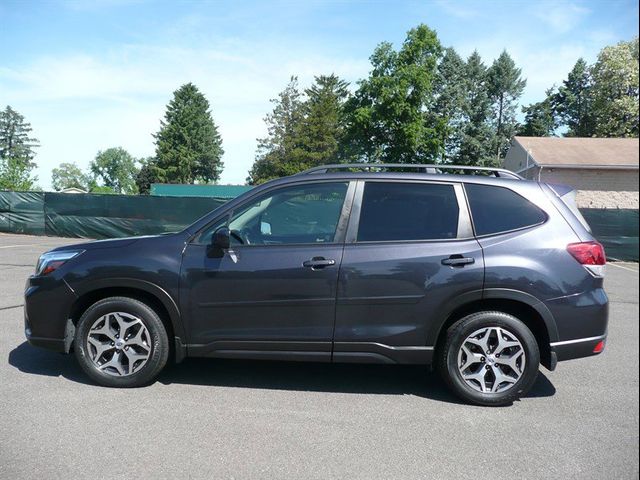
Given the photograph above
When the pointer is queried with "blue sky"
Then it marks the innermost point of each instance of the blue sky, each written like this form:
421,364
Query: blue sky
90,75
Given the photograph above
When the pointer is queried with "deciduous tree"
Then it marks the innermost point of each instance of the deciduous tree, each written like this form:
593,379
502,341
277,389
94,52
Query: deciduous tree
68,175
116,169
390,117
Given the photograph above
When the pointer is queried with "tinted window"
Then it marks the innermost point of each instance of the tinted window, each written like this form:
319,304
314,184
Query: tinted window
408,211
299,214
498,209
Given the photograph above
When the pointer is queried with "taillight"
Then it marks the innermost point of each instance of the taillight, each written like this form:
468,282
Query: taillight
589,254
599,347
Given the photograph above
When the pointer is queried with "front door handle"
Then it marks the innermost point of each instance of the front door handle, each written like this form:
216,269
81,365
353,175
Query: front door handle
458,261
318,262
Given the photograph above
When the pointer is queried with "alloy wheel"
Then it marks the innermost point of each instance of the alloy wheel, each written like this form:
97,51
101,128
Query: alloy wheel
119,344
491,360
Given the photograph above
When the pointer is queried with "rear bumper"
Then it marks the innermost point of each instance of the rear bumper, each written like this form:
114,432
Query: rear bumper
578,348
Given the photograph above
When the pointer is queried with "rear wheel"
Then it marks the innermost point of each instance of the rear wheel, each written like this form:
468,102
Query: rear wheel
489,358
121,342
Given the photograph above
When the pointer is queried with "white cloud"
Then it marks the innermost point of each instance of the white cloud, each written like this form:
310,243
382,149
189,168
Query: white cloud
78,104
561,17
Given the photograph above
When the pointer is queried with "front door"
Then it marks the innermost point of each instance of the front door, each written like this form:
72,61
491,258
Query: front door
409,254
273,292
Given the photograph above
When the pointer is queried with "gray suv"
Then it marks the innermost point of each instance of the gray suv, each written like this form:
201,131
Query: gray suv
475,271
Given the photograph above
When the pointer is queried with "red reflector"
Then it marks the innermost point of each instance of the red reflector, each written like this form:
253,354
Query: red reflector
599,347
588,253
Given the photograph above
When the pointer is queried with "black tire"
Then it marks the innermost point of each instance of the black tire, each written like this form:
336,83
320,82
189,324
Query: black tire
456,335
159,342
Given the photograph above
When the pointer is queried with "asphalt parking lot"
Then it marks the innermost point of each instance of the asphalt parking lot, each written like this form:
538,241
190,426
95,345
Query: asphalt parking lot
237,419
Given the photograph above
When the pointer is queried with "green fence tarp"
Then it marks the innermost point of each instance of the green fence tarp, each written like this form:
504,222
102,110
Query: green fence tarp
616,229
110,216
98,216
22,212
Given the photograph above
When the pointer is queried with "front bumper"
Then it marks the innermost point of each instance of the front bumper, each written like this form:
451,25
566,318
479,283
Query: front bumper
47,303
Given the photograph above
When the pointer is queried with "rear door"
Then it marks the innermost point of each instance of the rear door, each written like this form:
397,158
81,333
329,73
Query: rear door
410,256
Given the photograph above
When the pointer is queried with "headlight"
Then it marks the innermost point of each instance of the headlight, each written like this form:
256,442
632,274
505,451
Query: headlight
51,261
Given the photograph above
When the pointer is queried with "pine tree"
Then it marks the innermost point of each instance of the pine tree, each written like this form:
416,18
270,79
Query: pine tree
477,135
449,97
505,86
16,151
188,145
322,128
574,103
279,153
540,118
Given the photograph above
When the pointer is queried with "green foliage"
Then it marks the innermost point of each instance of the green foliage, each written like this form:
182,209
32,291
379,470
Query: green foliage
147,175
449,101
68,175
505,86
322,128
116,169
16,152
278,152
540,118
390,116
573,101
188,145
615,90
477,136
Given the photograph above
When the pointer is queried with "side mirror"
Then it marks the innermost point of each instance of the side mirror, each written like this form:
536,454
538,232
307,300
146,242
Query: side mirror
220,241
221,238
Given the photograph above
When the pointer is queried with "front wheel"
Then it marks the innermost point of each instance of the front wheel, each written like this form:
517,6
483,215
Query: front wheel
121,342
489,358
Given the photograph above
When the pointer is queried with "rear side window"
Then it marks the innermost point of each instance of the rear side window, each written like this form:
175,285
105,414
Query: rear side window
407,211
498,209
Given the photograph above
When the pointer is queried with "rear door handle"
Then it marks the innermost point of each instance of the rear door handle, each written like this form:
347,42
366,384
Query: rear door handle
318,262
458,261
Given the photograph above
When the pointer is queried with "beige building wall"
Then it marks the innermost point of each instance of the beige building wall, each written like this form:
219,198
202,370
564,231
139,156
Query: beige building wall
597,188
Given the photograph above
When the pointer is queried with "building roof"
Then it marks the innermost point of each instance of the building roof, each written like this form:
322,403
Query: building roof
575,152
181,190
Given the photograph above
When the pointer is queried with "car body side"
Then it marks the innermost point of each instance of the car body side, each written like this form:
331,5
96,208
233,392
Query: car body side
393,300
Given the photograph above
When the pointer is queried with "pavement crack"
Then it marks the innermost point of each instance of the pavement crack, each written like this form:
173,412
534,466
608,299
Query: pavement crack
12,306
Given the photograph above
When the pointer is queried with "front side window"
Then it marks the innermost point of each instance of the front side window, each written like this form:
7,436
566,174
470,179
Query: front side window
394,211
290,215
498,209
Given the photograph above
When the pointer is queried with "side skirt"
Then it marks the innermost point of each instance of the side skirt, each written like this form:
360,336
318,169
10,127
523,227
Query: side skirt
343,352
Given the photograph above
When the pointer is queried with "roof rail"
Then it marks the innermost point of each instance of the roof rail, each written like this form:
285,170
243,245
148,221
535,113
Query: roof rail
427,168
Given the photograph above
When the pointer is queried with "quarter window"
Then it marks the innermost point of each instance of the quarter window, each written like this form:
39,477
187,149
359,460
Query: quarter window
408,211
498,209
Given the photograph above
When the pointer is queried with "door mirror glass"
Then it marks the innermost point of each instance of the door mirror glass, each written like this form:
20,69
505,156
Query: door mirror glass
221,239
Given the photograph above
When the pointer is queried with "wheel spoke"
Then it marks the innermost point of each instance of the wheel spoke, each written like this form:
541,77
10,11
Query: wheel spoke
500,378
479,376
115,362
105,329
470,358
503,342
101,347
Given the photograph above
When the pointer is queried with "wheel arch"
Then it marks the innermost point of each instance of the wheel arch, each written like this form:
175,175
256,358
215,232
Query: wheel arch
147,292
531,311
